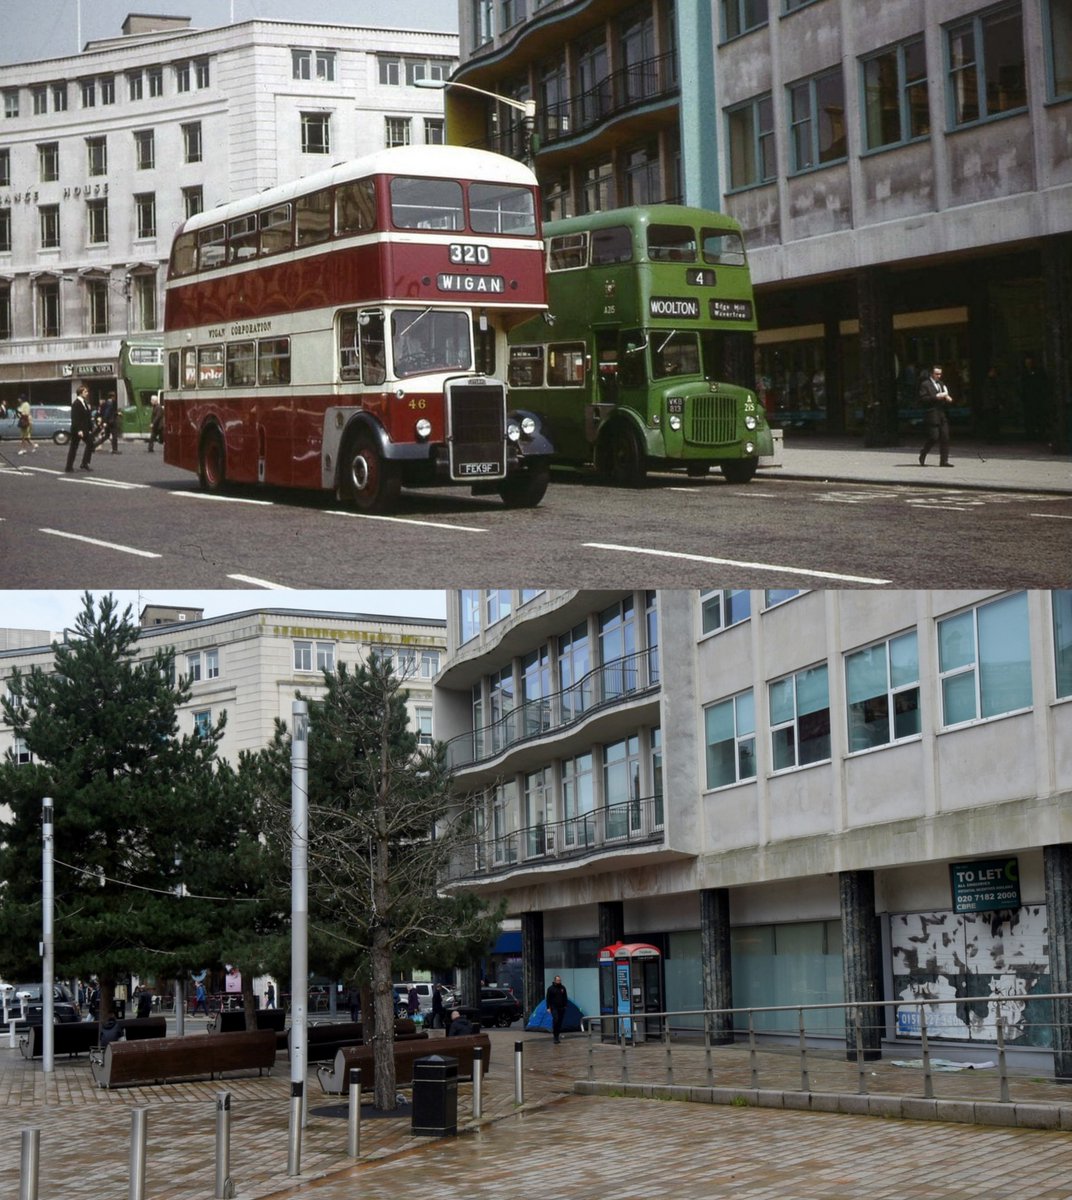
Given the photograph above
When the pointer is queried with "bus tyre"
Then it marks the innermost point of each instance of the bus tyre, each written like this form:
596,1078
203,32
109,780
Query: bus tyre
525,489
212,461
367,481
740,470
623,457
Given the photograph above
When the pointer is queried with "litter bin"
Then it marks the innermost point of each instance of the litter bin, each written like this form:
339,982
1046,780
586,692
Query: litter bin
435,1096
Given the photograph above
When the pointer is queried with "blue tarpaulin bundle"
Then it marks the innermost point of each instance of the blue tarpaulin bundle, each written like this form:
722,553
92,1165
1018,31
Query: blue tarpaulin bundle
541,1018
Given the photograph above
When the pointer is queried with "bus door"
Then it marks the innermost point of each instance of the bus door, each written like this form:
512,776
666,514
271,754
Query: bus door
604,393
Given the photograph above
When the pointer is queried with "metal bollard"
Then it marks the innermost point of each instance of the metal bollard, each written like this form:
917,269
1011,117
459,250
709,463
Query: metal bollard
30,1165
519,1073
224,1183
294,1140
139,1121
353,1135
478,1082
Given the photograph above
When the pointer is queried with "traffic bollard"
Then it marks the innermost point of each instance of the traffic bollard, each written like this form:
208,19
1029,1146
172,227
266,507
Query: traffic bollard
519,1076
353,1135
295,1139
139,1120
224,1183
11,1033
478,1082
30,1164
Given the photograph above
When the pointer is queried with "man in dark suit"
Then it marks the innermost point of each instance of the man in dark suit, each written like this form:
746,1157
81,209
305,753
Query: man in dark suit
81,429
935,395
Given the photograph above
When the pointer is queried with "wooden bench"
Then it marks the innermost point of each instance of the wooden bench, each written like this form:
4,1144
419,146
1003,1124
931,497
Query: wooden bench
163,1060
69,1037
137,1029
233,1020
324,1041
336,1078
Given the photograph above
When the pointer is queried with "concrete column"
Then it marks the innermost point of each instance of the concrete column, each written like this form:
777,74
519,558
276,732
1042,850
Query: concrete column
532,960
699,129
715,965
469,983
878,384
1057,317
861,950
1057,863
611,922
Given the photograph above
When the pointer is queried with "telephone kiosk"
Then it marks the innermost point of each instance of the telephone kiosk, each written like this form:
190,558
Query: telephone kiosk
630,987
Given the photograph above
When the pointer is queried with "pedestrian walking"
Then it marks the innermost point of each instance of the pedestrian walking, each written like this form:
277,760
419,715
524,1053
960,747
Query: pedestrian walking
935,396
81,429
25,423
269,996
437,1006
156,423
200,999
557,999
109,417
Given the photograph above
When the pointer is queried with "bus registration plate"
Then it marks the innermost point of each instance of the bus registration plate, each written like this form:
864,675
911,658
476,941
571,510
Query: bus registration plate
479,468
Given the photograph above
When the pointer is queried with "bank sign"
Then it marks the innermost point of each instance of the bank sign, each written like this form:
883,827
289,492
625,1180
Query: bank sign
986,884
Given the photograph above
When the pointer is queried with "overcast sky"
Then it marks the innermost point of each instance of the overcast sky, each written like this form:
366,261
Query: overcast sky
56,610
36,29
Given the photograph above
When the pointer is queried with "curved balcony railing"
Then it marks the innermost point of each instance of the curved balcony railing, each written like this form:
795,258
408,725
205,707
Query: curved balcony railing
609,828
616,681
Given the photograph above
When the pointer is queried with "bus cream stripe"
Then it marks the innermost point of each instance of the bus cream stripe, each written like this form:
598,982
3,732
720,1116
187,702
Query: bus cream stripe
77,537
338,512
730,562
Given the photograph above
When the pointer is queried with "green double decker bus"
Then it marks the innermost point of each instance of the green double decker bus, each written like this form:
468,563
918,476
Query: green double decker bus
141,376
641,359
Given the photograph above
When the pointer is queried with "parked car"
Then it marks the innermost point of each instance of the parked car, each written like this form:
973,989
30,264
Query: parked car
498,1006
64,1006
49,421
424,990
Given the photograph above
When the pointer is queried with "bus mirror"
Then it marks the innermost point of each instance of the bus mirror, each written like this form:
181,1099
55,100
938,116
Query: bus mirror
548,316
371,314
483,321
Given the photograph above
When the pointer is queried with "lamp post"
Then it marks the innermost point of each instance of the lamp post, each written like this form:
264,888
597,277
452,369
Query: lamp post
299,925
48,999
527,108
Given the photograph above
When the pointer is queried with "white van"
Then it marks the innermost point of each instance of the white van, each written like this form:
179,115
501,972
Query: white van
424,990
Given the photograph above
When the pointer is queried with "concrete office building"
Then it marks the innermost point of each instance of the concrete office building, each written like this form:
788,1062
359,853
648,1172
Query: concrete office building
251,664
103,154
903,173
786,793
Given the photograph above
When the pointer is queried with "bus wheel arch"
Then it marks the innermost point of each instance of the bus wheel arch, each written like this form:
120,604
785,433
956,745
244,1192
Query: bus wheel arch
739,470
368,481
212,459
525,489
621,455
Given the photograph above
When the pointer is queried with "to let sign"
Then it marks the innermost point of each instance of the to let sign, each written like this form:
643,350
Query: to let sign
986,884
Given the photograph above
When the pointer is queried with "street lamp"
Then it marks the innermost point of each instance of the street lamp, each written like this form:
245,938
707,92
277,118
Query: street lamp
527,108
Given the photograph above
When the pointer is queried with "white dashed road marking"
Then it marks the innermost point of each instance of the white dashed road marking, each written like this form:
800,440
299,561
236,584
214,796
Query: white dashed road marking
77,537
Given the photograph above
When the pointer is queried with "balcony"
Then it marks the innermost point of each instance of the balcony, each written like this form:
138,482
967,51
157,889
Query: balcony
613,827
613,683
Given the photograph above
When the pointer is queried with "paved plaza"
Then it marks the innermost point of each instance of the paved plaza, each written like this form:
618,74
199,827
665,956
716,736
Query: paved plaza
558,1141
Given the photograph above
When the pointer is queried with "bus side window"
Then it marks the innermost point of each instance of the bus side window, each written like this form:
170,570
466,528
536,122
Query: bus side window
373,355
565,365
723,247
567,251
349,350
614,245
242,238
275,229
355,207
212,247
210,367
313,218
184,255
241,364
173,370
273,361
526,366
189,367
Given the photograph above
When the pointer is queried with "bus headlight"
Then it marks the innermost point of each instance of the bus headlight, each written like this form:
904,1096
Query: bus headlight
528,426
749,422
749,448
674,421
513,431
423,428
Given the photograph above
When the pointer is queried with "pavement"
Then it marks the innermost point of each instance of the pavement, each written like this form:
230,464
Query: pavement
976,465
580,1131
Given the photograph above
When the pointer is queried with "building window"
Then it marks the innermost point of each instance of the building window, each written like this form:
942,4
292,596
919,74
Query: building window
21,752
301,64
325,65
895,95
303,656
724,607
987,75
792,5
750,127
48,308
97,222
775,596
483,21
135,84
739,16
308,653
882,692
5,167
191,141
817,120
496,604
156,81
397,132
469,614
193,667
97,155
984,661
325,656
59,97
621,786
212,664
48,161
193,201
429,664
40,100
512,11
144,149
97,298
107,89
390,72
730,733
182,77
1062,642
201,72
145,210
11,103
89,93
143,302
316,133
49,216
203,722
434,131
5,237
5,289
800,718
578,801
423,721
1057,32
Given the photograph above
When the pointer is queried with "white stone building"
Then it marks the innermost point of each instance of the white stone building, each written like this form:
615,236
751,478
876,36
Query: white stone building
104,153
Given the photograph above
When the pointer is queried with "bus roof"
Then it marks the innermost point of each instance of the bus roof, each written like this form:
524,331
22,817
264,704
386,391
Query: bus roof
640,215
446,162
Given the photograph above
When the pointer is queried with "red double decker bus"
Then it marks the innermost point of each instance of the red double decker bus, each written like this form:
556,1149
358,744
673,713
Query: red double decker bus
347,331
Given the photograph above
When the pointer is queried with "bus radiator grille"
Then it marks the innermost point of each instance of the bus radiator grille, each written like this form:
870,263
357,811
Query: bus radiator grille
711,420
477,417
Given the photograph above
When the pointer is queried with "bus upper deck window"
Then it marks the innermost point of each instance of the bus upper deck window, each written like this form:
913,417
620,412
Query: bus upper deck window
242,238
426,203
212,246
671,243
184,255
723,246
614,245
567,252
501,208
355,207
275,229
313,222
210,366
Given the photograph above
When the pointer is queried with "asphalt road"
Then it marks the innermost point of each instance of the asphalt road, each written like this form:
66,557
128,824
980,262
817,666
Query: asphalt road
136,522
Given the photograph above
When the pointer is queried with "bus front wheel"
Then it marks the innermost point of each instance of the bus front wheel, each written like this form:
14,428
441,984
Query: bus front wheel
740,470
368,481
623,458
525,489
212,461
